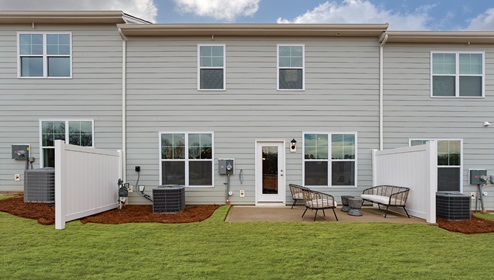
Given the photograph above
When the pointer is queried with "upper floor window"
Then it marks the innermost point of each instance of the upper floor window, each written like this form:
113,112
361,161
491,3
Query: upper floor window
211,74
330,159
291,61
75,132
44,55
457,74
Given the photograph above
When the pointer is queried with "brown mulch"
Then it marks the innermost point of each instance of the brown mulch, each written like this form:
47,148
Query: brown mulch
475,225
45,214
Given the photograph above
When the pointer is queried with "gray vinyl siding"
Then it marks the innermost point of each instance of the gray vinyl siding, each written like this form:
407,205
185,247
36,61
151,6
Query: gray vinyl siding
341,95
93,92
410,112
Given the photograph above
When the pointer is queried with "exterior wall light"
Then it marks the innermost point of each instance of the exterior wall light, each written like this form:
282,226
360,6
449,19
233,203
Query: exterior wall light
293,145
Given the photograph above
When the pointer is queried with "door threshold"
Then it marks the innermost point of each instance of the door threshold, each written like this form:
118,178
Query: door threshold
270,204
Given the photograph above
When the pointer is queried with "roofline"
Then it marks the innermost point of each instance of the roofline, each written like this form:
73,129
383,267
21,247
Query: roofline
271,30
441,37
58,17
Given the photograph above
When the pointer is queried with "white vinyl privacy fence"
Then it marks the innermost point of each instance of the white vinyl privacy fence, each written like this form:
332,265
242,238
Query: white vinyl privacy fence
413,167
85,181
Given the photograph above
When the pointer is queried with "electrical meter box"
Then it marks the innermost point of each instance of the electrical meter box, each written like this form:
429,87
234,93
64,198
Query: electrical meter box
476,176
225,166
20,152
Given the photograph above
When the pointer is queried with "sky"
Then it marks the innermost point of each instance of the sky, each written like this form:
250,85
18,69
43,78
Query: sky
400,14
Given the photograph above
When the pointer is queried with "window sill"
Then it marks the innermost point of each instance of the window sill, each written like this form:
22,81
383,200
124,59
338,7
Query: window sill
48,78
291,90
199,187
458,97
211,90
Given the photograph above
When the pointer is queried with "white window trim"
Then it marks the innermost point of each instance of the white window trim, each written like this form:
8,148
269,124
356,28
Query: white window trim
199,66
330,160
446,166
45,55
41,147
457,74
278,67
186,159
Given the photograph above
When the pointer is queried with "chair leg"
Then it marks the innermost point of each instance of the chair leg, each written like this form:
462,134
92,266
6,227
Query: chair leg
315,214
335,215
324,212
294,201
406,211
386,213
305,211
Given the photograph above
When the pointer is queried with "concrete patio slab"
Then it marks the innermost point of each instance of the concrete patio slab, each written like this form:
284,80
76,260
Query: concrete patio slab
285,214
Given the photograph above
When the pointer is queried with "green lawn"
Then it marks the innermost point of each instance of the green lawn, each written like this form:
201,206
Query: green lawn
485,216
217,250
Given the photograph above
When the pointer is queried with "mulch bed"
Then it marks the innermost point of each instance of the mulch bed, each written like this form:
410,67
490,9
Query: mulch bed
45,214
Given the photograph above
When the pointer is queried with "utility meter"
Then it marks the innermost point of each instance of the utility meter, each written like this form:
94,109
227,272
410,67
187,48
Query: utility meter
226,166
478,176
20,152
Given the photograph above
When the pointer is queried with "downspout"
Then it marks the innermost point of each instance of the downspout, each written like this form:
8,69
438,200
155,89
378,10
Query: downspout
383,39
124,105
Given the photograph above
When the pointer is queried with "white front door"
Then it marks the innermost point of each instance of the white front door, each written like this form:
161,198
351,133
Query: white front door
270,172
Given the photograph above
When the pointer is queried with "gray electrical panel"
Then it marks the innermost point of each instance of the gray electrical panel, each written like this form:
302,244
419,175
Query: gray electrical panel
20,152
225,166
476,176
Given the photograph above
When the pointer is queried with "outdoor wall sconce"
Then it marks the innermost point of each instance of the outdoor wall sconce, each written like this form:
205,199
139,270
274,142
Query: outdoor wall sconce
293,145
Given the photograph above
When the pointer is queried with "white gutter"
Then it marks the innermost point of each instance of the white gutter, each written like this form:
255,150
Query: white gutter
383,40
124,105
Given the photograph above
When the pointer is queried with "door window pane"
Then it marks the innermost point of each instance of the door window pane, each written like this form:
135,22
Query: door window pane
270,170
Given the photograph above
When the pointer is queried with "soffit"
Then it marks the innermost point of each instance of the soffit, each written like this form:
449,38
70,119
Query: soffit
254,30
62,17
441,37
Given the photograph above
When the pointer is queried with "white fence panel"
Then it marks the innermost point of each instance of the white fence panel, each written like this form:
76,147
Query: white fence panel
85,181
413,167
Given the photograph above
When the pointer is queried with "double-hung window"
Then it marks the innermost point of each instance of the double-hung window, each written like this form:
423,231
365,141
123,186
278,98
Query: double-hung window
457,74
291,61
211,62
43,55
330,159
449,154
75,132
186,159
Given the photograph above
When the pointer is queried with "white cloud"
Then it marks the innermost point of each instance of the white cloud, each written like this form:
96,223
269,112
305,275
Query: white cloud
483,21
145,9
219,9
363,11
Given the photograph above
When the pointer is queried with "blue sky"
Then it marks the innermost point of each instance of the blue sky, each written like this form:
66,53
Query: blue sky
400,14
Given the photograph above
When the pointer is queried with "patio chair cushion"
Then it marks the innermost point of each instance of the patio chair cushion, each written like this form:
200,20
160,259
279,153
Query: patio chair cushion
321,203
299,195
382,199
